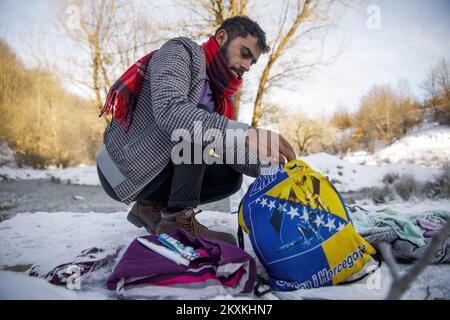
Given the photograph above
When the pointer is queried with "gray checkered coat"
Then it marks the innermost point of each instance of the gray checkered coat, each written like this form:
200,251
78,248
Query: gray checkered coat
167,101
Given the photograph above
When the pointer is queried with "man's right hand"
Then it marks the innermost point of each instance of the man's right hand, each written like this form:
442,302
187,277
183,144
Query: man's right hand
269,146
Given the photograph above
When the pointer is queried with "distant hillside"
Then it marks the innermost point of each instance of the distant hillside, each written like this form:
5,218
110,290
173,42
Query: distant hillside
42,123
427,146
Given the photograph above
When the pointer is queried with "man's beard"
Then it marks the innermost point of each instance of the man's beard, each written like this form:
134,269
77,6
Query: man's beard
224,52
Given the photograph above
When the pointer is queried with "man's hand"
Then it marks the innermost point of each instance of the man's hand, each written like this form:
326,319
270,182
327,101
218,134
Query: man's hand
269,146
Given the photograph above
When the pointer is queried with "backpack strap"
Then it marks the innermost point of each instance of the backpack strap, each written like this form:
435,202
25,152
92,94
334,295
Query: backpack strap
240,232
240,235
258,290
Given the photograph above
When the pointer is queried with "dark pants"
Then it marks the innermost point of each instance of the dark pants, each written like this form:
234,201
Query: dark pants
187,185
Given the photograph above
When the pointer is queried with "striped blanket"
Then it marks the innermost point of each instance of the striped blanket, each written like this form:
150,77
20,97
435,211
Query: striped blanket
223,269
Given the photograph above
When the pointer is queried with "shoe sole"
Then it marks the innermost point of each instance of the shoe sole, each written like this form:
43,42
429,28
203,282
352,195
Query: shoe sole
138,222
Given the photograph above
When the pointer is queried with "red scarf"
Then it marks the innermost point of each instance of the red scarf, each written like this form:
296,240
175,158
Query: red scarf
122,97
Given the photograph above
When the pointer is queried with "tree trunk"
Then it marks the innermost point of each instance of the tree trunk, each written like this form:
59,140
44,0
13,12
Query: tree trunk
237,102
302,13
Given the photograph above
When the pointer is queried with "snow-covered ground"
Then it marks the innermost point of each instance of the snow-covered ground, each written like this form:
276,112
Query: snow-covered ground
428,146
421,153
9,170
48,239
346,175
51,239
349,176
82,175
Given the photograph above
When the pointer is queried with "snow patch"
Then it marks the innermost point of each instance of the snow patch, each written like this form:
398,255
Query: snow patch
50,239
81,175
348,176
428,146
7,156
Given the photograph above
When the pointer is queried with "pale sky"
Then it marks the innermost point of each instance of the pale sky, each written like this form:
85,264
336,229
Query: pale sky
413,36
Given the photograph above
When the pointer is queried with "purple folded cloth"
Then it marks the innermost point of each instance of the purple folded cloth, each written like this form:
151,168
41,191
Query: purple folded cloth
430,228
221,266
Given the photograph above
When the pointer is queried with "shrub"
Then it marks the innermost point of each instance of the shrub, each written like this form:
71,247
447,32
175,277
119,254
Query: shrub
380,195
407,186
390,178
41,122
440,188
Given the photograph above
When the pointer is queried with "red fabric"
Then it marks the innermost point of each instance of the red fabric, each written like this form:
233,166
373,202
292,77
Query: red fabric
224,83
122,97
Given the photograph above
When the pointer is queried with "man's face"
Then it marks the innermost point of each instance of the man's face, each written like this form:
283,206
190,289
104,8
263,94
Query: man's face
240,53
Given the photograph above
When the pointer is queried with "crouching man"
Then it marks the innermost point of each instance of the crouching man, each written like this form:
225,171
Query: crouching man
188,88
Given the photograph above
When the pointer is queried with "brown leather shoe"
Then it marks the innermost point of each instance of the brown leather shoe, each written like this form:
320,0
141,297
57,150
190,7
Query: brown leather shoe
146,214
185,219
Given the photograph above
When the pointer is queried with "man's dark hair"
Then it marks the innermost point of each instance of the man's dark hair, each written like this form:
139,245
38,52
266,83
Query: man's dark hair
242,26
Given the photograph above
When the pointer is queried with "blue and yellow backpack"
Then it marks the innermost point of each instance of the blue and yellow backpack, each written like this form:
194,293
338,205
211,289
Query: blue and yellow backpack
300,230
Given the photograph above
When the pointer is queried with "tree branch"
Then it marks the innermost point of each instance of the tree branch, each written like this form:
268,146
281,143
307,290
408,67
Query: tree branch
402,282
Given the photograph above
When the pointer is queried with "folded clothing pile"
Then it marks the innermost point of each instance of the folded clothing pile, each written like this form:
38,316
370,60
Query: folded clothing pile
222,269
409,235
85,263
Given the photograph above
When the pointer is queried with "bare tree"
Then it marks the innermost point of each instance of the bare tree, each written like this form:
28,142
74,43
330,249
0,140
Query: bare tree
92,31
408,109
112,40
342,118
10,77
385,114
42,133
304,133
109,35
301,23
312,19
437,87
112,34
